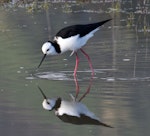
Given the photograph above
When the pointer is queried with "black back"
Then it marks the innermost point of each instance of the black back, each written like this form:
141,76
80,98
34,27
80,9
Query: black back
82,30
82,120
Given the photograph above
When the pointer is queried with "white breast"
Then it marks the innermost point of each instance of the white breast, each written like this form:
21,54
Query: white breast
74,108
71,43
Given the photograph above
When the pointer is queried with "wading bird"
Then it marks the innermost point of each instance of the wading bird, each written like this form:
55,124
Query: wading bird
72,38
73,111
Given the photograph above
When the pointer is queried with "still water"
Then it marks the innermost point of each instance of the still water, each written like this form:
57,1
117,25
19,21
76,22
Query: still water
120,53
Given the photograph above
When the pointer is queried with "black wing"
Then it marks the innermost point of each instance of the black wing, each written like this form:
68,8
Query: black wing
82,30
83,119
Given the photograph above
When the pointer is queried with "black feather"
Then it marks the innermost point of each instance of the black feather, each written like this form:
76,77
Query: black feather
83,119
82,30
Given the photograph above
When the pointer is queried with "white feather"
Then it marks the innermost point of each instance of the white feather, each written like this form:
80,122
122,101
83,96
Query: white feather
48,104
73,43
74,108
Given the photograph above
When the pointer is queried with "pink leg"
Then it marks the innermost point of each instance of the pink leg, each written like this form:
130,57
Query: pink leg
88,89
77,87
75,75
89,61
76,66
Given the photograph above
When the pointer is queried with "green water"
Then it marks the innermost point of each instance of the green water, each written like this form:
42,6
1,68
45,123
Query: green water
120,54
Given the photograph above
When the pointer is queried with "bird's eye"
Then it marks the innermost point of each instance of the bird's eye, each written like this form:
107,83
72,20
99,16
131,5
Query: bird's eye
48,102
47,49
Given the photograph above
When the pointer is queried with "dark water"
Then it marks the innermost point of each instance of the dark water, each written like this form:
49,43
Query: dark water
120,53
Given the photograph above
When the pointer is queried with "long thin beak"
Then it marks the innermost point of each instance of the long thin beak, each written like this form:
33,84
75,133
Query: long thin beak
42,93
42,60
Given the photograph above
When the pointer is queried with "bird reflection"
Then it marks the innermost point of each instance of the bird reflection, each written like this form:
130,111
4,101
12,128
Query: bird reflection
72,111
78,89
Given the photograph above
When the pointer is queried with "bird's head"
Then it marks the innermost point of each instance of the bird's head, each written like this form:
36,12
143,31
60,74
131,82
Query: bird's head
47,49
48,104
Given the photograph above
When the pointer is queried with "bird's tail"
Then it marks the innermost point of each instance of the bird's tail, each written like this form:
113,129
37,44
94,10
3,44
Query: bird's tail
106,125
102,22
91,27
98,24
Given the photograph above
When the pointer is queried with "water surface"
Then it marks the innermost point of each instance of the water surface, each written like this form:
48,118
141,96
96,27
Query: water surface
120,54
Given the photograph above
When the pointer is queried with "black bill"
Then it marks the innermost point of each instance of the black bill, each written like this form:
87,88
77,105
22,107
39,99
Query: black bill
42,60
42,93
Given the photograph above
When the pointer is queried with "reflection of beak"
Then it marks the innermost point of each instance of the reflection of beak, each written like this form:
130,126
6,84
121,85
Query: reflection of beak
42,60
42,93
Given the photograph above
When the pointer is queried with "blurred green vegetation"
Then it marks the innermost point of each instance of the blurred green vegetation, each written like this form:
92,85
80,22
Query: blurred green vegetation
4,1
137,11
